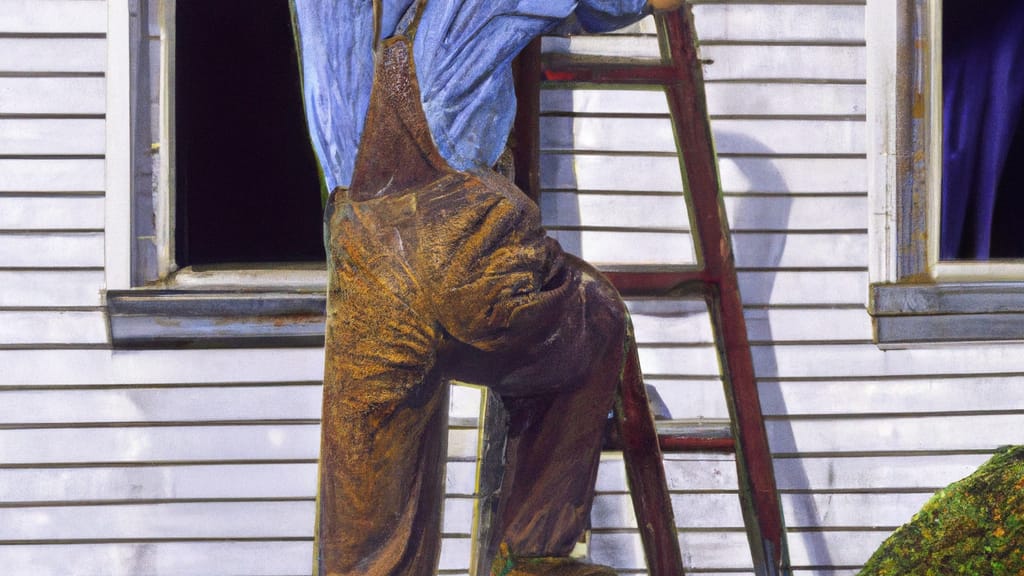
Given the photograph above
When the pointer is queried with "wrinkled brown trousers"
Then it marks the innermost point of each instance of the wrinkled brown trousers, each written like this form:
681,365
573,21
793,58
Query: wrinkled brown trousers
439,275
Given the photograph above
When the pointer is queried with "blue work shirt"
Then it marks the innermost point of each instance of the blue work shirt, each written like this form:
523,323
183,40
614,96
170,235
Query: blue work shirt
463,51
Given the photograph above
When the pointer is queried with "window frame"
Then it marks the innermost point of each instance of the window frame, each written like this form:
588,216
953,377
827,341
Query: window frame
150,301
914,298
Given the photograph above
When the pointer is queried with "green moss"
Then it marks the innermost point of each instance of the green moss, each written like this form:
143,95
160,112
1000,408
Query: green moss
972,527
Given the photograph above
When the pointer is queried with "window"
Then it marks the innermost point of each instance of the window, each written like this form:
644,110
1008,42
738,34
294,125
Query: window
215,237
247,188
917,297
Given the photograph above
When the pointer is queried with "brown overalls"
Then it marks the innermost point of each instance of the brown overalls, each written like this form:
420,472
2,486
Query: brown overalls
439,275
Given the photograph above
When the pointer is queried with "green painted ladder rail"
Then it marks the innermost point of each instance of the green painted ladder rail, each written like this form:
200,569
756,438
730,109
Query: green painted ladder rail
713,278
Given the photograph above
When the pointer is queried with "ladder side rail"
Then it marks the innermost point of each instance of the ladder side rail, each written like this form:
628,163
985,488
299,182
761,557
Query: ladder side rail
754,464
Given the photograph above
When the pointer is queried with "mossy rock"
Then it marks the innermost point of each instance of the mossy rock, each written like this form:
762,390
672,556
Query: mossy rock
974,527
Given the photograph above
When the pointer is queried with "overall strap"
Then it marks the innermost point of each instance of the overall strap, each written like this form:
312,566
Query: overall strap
397,153
407,25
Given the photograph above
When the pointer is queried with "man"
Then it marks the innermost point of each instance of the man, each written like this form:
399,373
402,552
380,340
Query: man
439,270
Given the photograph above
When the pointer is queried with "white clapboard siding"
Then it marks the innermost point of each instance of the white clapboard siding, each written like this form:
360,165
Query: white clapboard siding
842,473
33,486
732,99
49,175
792,62
807,288
623,210
745,212
52,136
983,432
691,398
867,360
738,174
118,451
723,510
894,473
45,327
701,550
52,96
53,16
28,368
751,22
612,247
49,288
161,558
267,520
49,55
27,213
196,443
813,250
165,404
949,395
808,324
590,134
51,250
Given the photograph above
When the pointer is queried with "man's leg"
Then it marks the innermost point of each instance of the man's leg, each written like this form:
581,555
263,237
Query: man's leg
558,392
385,413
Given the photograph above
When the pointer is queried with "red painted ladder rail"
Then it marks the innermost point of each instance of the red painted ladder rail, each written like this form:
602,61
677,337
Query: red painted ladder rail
714,278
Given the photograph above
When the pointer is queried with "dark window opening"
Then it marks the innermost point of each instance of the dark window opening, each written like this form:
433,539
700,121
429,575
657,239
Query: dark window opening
247,186
983,130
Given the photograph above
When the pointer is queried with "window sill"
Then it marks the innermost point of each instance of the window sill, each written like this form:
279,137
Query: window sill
255,307
907,315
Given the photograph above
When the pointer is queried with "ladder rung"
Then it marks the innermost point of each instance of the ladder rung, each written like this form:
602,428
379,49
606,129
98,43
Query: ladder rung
675,436
646,283
606,70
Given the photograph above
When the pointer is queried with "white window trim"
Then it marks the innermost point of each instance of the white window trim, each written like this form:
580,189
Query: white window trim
215,306
915,299
118,201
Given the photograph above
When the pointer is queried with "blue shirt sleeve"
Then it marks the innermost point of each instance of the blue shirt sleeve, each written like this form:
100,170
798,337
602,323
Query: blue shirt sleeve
463,50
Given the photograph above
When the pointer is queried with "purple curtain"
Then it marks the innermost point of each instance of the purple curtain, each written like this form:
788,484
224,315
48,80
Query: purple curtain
983,140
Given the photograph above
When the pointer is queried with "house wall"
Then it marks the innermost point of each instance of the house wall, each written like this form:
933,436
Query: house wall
189,462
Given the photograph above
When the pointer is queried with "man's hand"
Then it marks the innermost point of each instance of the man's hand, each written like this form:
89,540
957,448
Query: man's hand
665,5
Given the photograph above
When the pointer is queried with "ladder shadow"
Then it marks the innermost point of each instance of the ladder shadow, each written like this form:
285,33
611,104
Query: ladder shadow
766,253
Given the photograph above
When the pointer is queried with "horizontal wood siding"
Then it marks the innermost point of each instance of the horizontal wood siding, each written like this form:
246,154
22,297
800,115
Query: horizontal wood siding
191,462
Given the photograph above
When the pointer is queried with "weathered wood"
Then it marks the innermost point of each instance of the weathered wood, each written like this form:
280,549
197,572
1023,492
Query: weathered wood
901,331
931,299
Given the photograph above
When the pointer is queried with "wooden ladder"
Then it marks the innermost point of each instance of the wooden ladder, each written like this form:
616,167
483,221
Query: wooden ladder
713,278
